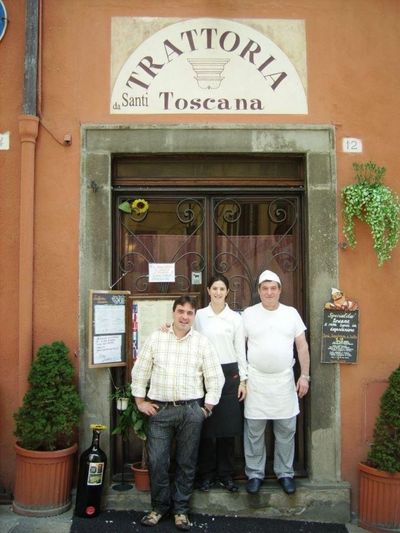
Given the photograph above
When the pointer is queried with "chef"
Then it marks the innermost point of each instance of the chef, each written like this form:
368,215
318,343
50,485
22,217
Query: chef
272,329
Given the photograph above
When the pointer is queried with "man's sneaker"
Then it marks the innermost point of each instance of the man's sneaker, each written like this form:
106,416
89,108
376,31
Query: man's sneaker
151,519
182,522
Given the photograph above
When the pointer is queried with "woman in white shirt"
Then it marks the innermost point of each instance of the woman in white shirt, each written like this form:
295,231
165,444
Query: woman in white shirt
224,329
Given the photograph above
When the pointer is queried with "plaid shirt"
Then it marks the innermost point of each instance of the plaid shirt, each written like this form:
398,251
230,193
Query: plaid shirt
177,369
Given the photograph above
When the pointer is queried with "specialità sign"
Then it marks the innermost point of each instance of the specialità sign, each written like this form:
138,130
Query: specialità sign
203,65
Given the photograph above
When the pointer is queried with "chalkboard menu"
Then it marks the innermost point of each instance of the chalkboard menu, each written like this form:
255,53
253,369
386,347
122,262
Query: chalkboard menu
108,320
339,336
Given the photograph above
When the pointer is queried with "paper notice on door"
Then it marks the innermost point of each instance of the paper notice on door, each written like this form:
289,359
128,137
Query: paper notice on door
161,272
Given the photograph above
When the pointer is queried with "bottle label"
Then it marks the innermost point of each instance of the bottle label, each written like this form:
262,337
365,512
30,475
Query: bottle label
95,474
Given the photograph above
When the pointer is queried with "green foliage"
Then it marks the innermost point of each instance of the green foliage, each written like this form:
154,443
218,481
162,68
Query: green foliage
122,391
371,201
51,407
385,450
133,419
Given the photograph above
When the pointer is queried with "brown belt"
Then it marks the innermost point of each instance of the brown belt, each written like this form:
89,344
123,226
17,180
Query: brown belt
177,403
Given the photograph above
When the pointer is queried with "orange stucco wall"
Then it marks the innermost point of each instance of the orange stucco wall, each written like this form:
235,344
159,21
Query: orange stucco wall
11,84
353,83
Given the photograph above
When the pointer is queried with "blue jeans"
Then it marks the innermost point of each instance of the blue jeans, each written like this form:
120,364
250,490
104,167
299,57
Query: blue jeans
182,423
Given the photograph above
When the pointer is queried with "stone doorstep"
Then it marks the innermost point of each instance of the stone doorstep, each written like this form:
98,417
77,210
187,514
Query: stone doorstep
320,502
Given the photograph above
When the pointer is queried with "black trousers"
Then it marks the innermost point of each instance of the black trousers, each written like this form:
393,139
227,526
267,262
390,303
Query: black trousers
216,458
217,445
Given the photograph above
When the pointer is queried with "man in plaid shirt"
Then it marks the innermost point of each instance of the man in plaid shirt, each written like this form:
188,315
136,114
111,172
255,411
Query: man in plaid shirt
176,381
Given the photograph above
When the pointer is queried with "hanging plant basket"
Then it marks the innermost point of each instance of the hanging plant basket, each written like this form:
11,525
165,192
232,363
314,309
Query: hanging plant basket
372,202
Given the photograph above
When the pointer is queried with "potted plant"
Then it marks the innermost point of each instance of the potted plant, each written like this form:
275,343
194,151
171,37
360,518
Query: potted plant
379,508
132,419
46,435
371,201
121,395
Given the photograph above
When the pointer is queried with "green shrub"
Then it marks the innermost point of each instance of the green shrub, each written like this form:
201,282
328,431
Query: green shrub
385,449
51,407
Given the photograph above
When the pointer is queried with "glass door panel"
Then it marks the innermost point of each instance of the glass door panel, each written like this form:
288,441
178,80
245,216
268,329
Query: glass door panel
171,231
251,234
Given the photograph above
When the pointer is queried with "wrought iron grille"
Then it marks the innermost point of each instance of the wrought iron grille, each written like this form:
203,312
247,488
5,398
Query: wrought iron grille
237,236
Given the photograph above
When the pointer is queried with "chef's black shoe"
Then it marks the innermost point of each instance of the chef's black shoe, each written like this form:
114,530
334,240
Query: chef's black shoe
253,485
288,484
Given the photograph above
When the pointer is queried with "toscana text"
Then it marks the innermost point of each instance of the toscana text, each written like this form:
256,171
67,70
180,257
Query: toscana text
168,102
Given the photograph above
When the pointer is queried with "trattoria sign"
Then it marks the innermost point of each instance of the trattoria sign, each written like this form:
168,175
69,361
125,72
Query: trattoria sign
211,66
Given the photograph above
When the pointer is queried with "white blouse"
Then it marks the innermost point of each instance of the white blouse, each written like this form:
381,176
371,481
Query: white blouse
226,333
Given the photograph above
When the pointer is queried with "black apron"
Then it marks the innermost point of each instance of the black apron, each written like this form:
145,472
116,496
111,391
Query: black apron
227,417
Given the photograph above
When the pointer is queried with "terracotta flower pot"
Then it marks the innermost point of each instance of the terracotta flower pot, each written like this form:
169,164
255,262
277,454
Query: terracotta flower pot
43,481
141,476
379,509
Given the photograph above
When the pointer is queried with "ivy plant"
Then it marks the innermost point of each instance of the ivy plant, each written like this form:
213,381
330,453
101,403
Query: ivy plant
373,202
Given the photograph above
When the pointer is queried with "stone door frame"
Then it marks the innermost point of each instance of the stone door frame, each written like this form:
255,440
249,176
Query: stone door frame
317,144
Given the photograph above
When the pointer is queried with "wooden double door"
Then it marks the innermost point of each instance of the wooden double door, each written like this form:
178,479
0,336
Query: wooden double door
202,230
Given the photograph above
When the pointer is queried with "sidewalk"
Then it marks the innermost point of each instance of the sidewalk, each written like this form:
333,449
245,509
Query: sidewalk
308,505
13,523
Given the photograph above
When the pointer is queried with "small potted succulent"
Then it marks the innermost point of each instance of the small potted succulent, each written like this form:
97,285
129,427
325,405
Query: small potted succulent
121,396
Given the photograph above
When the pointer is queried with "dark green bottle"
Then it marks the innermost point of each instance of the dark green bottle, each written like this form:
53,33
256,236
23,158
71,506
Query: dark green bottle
92,467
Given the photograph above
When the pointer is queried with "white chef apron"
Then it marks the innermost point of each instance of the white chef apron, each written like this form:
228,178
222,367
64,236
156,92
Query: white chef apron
271,396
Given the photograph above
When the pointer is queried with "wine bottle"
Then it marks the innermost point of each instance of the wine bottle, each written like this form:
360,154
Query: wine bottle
92,466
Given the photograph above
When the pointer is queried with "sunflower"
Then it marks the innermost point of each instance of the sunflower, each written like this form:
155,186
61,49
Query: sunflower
140,205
